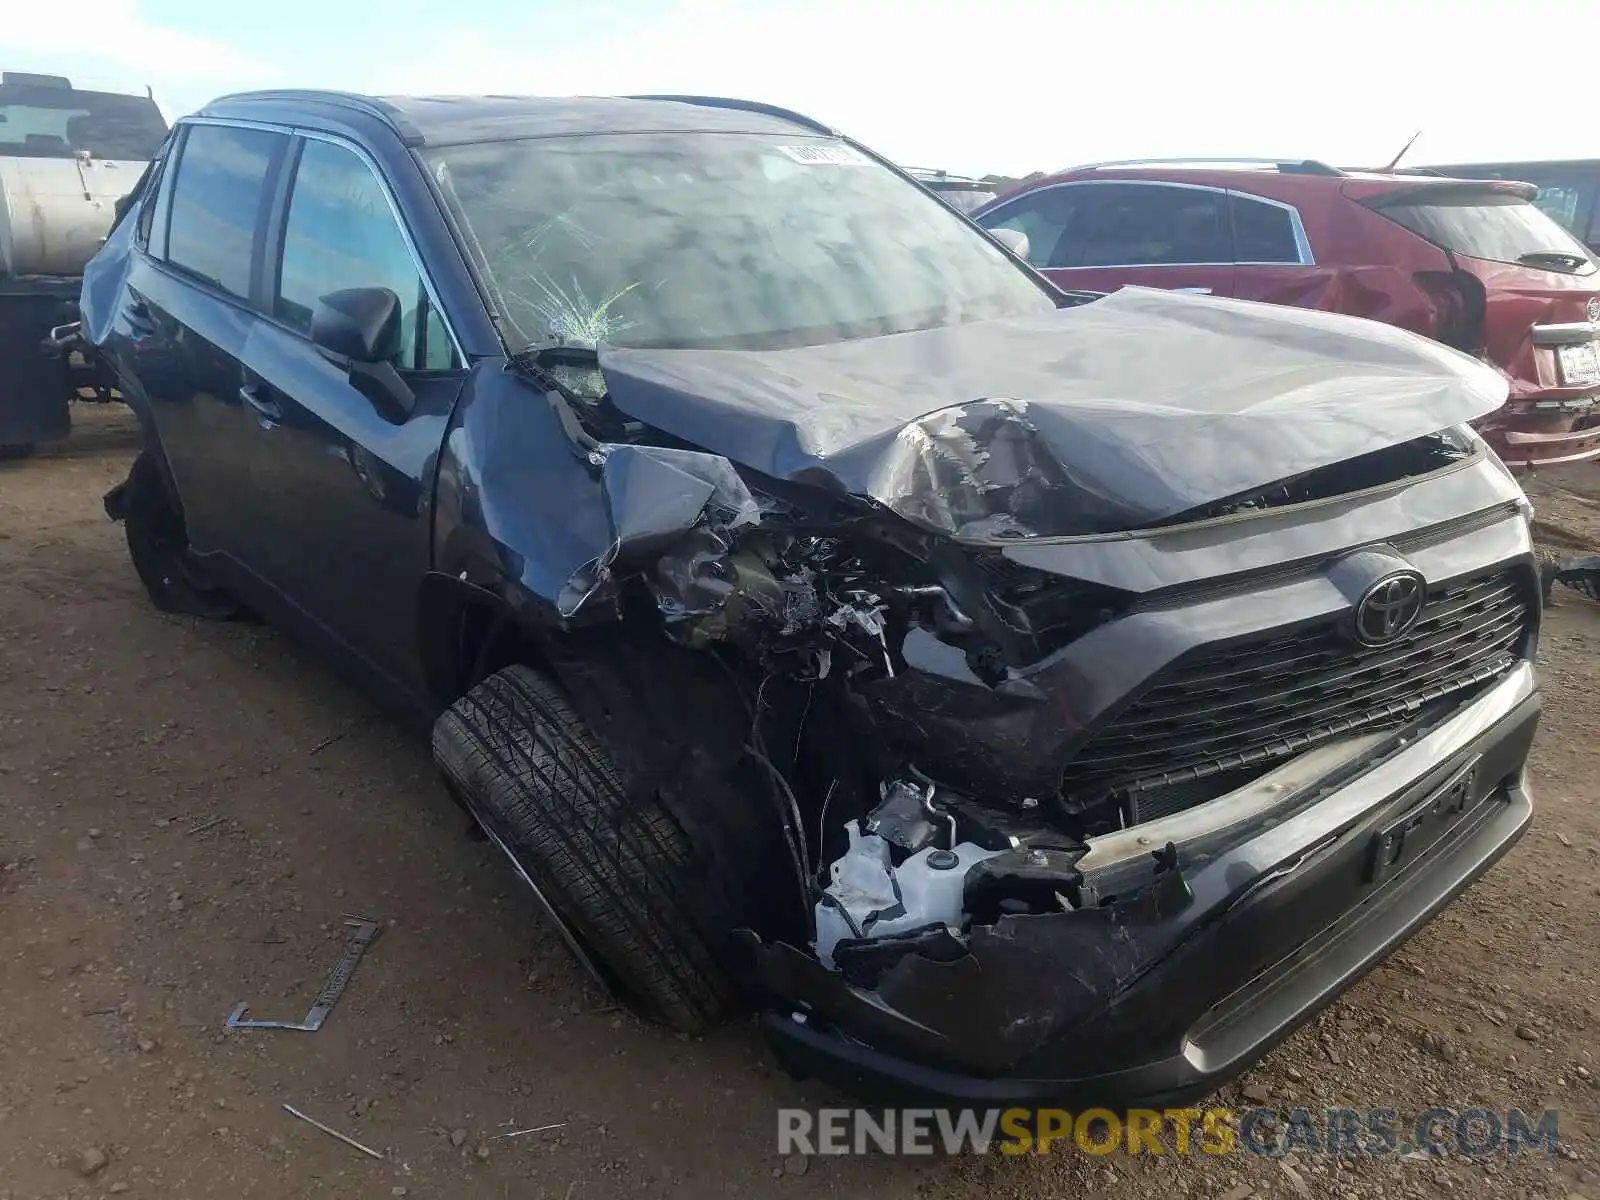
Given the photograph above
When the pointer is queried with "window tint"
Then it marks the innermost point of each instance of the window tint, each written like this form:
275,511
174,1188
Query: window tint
53,122
216,200
1155,225
341,233
1043,217
1263,233
1491,225
1565,193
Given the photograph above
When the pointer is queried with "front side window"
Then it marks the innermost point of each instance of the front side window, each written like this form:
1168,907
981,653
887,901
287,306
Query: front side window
716,240
1133,225
217,198
341,233
1262,232
1045,218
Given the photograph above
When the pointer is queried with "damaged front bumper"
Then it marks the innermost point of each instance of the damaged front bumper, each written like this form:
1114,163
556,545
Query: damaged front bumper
1290,889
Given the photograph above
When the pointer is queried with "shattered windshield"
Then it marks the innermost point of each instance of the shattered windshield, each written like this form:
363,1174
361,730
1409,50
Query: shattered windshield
726,240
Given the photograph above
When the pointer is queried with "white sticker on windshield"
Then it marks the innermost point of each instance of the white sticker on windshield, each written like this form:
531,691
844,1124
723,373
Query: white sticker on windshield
826,154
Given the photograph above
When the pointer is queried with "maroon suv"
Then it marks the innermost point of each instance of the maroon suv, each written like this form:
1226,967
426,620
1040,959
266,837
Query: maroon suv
1472,263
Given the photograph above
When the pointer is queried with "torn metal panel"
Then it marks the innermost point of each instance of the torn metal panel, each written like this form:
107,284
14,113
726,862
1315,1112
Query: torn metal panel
1068,422
654,497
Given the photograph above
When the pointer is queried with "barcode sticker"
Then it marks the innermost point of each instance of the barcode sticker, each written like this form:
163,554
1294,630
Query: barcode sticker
825,154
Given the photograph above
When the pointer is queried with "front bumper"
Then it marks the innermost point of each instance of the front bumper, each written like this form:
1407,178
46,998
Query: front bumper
1159,1003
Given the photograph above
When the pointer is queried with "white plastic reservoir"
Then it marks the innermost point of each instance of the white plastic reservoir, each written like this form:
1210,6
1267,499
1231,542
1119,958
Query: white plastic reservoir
883,899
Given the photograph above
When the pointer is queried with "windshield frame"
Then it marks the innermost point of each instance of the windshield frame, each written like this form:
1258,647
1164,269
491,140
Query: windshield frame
505,327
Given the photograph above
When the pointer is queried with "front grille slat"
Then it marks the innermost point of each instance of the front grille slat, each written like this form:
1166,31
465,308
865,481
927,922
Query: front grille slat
1489,627
1394,700
1233,674
1248,703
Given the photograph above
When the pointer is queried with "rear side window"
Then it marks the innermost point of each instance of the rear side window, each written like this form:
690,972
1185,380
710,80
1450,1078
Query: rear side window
1263,233
1489,225
216,202
1136,225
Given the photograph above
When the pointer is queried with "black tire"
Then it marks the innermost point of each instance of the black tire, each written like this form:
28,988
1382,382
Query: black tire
159,546
617,871
16,450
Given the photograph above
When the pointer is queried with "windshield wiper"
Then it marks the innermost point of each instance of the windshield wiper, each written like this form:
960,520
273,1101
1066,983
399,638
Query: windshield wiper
1556,258
532,362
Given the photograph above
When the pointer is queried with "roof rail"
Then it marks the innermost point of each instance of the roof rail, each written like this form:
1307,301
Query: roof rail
354,101
755,106
1285,166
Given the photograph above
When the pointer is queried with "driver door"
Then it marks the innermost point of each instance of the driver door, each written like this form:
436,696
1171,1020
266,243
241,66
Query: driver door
343,493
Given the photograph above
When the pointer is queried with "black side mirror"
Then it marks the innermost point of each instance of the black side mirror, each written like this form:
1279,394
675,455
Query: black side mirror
359,329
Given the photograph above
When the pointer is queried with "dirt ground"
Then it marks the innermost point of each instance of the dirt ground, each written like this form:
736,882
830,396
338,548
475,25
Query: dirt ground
188,811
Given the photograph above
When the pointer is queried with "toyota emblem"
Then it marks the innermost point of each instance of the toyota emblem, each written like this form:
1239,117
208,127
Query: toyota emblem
1594,310
1389,608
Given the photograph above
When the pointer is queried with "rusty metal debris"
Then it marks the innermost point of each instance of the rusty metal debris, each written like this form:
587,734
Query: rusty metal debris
365,933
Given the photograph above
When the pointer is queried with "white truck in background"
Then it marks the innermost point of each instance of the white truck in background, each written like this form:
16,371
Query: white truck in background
67,156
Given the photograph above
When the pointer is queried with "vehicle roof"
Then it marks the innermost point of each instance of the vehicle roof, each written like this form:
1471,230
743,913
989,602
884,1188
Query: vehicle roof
1294,185
455,120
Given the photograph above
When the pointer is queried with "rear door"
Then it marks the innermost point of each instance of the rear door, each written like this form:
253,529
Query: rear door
188,311
342,494
1106,234
1540,286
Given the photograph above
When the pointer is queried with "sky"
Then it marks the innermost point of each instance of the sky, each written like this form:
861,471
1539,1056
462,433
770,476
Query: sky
1004,86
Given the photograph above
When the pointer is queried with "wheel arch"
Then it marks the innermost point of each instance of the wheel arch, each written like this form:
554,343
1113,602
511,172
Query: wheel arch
469,631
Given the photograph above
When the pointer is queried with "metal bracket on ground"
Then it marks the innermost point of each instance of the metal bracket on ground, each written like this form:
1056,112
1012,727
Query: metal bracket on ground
333,987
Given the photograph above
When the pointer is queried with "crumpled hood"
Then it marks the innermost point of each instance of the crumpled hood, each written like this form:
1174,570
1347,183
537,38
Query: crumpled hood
1108,416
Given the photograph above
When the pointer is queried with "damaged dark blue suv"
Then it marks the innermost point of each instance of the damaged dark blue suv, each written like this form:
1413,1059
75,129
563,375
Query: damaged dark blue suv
1017,696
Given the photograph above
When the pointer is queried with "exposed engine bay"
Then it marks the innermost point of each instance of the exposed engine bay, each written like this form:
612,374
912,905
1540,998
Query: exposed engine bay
922,772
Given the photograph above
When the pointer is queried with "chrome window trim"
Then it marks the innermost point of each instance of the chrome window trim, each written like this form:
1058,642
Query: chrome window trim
333,139
1302,243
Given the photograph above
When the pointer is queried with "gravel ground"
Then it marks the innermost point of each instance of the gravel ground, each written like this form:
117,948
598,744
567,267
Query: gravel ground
187,811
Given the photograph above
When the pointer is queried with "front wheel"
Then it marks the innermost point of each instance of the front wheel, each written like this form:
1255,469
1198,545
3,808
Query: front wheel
616,872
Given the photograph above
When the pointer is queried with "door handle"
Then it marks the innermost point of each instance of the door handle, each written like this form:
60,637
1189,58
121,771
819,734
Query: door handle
267,408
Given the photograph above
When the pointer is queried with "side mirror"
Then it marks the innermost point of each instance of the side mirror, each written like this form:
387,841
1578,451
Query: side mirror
359,324
1013,240
359,329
